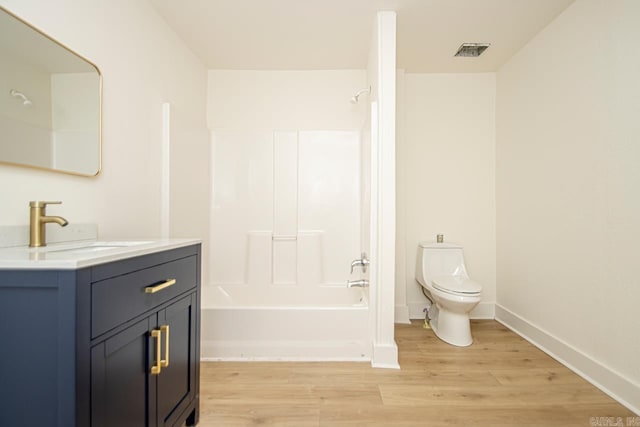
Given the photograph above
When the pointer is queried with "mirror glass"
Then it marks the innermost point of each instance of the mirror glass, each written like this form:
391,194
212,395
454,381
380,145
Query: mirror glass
50,102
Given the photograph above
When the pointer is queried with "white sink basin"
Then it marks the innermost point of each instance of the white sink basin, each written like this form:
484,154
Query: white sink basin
100,246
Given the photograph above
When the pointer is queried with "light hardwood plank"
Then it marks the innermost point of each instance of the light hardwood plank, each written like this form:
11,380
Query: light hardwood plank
536,376
442,416
257,393
485,396
501,380
223,415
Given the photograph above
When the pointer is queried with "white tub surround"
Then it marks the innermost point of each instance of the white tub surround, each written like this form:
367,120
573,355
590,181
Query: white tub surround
285,323
287,207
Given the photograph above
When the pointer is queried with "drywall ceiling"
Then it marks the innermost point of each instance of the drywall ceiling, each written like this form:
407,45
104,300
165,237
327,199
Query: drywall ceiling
336,34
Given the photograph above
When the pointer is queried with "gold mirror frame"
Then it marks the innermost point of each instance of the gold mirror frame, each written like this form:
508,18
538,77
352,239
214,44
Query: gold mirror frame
50,58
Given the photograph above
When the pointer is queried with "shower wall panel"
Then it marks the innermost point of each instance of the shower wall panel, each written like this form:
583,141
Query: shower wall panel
329,198
286,207
242,206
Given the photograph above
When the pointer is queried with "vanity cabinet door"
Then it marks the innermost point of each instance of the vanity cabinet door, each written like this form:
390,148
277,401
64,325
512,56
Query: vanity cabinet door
125,391
122,391
176,385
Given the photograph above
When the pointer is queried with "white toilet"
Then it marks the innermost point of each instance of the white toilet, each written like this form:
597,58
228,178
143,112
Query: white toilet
440,270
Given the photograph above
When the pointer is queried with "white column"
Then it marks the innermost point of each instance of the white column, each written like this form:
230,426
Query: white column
385,350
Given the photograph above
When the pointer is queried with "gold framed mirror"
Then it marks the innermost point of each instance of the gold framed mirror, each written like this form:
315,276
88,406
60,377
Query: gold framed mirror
50,102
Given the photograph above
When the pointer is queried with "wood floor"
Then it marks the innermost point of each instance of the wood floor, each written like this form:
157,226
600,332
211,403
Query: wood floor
501,380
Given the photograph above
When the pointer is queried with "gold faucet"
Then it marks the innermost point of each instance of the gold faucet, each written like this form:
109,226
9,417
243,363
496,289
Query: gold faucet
38,219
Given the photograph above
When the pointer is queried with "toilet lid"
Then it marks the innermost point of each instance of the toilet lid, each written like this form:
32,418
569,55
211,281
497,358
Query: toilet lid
457,285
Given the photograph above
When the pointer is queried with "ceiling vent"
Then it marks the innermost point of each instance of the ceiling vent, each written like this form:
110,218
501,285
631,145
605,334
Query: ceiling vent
472,50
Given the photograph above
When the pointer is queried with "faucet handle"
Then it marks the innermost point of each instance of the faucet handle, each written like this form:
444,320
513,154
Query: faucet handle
41,204
363,262
362,283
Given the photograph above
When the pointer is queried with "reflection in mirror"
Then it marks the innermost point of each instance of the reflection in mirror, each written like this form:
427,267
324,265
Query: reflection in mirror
50,102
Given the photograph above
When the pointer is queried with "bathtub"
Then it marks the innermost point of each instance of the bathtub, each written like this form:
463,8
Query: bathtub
294,323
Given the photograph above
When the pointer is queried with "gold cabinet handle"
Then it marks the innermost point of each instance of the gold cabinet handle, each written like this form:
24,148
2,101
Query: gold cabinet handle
165,362
161,286
157,367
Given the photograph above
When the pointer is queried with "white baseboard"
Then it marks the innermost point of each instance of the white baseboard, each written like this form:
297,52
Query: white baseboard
484,310
402,314
385,356
606,379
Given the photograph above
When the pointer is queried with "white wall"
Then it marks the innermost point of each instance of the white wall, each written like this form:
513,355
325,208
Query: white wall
568,175
303,100
446,179
143,64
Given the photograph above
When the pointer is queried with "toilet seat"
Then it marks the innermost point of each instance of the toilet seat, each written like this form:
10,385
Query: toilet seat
457,285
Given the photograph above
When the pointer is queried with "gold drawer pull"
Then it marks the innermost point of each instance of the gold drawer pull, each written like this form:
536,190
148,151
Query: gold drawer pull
157,367
165,362
161,286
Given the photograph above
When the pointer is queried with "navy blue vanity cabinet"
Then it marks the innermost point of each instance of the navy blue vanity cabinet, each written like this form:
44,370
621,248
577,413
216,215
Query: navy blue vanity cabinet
96,347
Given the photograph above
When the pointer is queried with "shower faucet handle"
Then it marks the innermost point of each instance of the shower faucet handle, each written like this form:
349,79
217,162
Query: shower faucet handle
363,283
362,262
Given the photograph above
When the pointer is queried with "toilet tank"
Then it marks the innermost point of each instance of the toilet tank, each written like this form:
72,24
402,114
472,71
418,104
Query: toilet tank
439,259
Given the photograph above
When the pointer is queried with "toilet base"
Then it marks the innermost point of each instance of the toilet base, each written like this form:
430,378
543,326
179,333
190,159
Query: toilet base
452,328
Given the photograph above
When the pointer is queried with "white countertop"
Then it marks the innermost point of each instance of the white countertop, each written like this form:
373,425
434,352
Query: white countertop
75,255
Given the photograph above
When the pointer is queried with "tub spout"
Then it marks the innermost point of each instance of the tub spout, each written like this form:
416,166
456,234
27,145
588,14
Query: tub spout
363,283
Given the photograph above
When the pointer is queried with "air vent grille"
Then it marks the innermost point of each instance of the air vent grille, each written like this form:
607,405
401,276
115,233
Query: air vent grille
472,50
